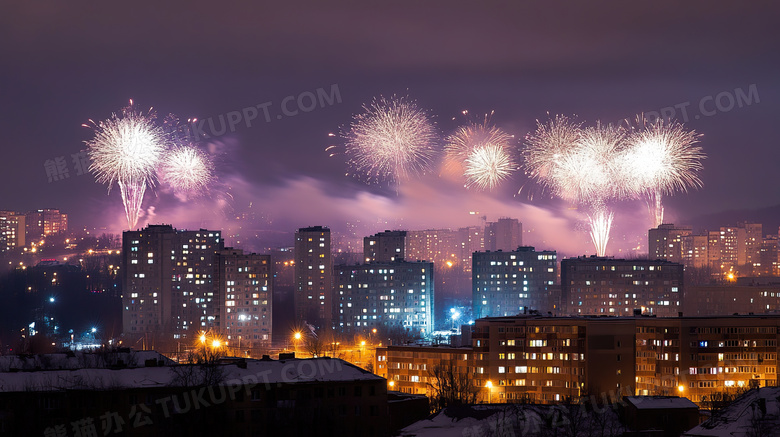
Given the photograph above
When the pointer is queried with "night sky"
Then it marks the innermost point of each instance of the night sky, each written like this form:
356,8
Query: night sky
65,62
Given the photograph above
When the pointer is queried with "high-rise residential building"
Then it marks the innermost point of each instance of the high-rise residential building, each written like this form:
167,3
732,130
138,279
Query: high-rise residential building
667,242
505,234
437,245
449,249
313,277
617,287
245,284
12,230
744,296
385,246
754,238
391,295
44,222
733,249
768,265
471,239
513,282
713,252
695,253
168,287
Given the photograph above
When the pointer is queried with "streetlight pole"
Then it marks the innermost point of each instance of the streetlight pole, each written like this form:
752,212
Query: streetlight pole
296,338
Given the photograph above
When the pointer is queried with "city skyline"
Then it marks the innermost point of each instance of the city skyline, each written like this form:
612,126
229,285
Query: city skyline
520,78
389,218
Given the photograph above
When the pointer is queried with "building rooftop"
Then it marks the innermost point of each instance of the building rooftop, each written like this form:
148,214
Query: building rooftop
659,402
757,412
291,371
510,319
81,360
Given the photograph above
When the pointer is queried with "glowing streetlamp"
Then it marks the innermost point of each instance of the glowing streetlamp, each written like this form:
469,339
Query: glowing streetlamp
489,386
296,338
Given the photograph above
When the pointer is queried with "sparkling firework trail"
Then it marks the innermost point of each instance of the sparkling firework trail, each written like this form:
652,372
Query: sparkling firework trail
126,149
662,158
482,153
600,222
187,170
392,140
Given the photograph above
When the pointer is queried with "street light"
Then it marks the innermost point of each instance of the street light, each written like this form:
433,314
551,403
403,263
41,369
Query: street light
489,386
296,338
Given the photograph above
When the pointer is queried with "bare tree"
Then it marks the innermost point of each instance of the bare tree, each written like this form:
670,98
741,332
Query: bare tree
314,345
202,369
759,426
451,386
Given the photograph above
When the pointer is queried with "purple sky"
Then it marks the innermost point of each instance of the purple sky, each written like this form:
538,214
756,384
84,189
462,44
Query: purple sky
66,62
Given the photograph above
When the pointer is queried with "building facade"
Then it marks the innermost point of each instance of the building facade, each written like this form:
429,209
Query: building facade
513,282
746,296
504,234
616,287
393,295
313,298
696,252
667,242
12,230
552,359
45,222
168,286
387,246
245,288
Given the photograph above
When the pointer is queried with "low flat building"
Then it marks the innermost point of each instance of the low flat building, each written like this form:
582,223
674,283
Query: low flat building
544,359
410,369
671,414
241,398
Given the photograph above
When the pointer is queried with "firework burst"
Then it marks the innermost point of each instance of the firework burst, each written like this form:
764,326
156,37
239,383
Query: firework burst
487,166
126,149
187,170
660,159
547,150
481,152
392,140
583,166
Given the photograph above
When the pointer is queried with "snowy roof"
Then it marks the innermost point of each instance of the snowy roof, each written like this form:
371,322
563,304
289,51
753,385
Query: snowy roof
79,360
744,416
510,420
290,371
657,402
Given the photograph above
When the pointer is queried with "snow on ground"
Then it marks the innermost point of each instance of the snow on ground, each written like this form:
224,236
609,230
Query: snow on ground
756,413
515,420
